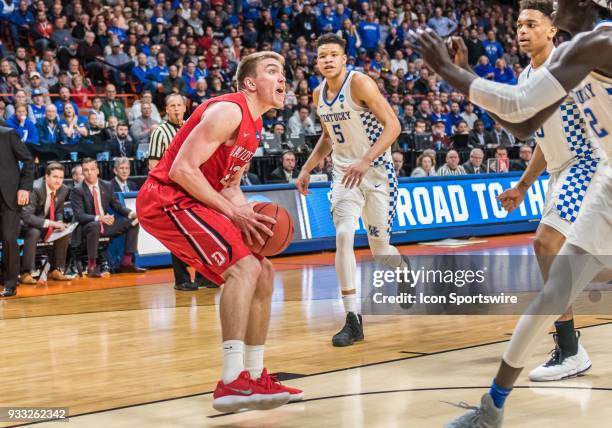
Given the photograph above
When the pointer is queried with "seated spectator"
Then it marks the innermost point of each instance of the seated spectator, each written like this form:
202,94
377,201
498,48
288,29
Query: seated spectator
323,168
249,178
91,201
38,105
90,52
96,133
438,134
81,93
122,144
525,153
479,137
398,163
451,167
135,112
200,94
25,127
173,83
453,118
96,107
122,183
190,77
469,116
111,126
426,166
42,216
120,62
36,84
501,137
461,135
49,128
20,98
64,98
142,127
142,72
501,163
300,124
76,173
503,73
74,127
474,165
112,106
287,171
484,68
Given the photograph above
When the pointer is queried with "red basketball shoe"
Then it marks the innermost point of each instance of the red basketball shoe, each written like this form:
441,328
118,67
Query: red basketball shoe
245,393
295,394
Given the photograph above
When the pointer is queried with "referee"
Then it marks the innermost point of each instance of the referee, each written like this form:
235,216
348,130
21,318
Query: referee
160,139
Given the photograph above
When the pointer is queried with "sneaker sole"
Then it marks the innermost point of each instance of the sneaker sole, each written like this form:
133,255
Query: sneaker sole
563,377
296,397
234,403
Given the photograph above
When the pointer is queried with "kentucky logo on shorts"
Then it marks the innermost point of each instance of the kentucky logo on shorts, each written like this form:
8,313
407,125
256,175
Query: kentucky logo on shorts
373,231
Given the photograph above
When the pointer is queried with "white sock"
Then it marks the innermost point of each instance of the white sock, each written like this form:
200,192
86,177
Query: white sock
233,360
253,360
350,303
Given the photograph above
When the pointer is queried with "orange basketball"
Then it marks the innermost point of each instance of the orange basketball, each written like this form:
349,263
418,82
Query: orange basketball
282,230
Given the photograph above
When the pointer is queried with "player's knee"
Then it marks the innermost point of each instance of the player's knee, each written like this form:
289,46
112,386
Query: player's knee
543,246
344,238
267,269
247,268
380,247
266,278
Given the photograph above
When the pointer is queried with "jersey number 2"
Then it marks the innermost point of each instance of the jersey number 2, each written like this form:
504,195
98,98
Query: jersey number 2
593,122
338,131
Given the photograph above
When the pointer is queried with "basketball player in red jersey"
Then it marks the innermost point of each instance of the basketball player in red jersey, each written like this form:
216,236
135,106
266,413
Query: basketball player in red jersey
193,204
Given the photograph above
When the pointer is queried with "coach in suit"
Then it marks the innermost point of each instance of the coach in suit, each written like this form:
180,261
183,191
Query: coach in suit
122,144
15,187
287,171
474,164
41,217
91,202
122,183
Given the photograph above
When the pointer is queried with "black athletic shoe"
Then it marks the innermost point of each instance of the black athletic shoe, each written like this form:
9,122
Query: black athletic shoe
204,283
405,287
186,286
351,332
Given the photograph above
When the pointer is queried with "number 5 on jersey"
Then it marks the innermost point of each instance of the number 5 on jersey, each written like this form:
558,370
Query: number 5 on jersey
338,131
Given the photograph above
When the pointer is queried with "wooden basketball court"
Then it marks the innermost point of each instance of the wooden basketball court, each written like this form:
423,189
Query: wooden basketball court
130,351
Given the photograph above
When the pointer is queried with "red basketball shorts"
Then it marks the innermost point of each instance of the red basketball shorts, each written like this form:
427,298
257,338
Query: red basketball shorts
203,238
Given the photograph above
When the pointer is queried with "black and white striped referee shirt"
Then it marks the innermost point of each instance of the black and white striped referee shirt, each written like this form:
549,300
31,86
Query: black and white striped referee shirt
160,139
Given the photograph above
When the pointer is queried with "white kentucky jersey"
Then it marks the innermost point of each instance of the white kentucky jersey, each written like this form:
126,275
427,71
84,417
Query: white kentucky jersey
352,128
563,138
594,98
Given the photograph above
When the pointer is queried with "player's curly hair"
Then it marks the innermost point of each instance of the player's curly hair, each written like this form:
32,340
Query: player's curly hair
544,6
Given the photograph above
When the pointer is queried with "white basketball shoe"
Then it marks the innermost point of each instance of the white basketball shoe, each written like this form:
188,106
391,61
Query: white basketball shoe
560,366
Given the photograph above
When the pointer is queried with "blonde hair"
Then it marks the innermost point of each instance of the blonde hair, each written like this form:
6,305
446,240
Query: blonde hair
248,65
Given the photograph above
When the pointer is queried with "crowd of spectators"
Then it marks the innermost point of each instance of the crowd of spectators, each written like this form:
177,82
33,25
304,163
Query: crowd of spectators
66,65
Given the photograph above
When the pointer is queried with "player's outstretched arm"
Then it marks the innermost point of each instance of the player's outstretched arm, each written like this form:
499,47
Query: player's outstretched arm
522,130
322,149
513,104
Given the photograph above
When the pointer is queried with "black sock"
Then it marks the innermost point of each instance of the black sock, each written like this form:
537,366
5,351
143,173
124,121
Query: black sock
566,337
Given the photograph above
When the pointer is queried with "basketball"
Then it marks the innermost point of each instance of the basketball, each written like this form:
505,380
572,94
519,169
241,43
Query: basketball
282,230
